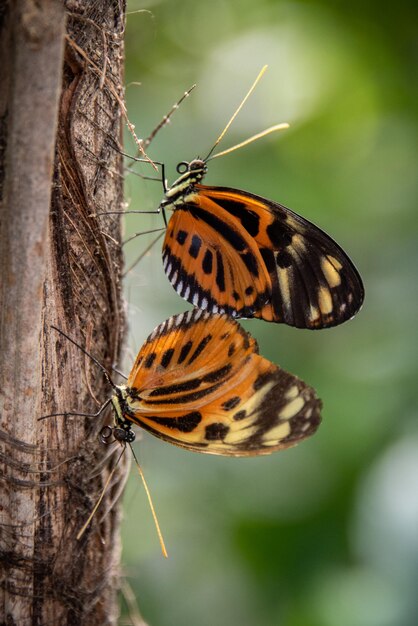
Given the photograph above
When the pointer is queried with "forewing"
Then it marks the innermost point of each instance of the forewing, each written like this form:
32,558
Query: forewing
200,383
311,281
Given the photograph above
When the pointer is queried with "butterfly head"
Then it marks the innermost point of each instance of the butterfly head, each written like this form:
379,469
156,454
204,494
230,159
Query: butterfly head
196,169
191,173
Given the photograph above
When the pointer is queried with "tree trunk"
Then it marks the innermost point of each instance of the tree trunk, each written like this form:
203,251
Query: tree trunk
60,263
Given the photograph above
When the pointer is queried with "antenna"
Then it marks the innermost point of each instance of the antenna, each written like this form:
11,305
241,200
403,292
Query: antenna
148,494
253,86
141,256
154,515
96,506
268,131
166,119
67,413
104,370
263,133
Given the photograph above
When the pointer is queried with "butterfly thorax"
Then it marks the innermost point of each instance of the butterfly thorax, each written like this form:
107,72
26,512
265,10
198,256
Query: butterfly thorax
122,429
190,175
121,405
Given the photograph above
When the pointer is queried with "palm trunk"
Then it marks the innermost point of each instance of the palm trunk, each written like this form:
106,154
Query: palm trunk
60,106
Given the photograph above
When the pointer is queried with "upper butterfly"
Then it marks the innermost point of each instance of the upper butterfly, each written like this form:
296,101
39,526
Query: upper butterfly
231,251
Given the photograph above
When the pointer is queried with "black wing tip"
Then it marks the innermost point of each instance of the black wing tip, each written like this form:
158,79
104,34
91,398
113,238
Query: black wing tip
289,401
346,312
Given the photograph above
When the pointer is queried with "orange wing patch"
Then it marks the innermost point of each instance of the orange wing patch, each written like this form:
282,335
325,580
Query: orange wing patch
199,382
212,262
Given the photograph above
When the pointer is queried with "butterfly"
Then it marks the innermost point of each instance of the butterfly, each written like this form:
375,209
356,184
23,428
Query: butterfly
231,251
199,382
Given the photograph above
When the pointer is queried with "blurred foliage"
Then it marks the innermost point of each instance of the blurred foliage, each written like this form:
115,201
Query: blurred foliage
326,533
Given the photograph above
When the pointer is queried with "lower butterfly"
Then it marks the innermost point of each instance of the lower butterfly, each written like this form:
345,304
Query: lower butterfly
198,382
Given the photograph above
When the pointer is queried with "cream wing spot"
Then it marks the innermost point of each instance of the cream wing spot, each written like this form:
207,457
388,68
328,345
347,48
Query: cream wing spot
332,276
283,275
292,222
197,313
292,408
337,265
253,403
292,392
238,435
298,242
276,434
324,300
313,313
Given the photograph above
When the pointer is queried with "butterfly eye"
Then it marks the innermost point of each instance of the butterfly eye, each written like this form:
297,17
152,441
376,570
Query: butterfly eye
106,434
182,167
197,164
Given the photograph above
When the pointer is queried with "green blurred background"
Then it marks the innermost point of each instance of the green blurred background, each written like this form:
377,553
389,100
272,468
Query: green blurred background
325,534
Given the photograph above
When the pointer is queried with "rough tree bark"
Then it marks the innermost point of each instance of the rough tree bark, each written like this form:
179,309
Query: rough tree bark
60,102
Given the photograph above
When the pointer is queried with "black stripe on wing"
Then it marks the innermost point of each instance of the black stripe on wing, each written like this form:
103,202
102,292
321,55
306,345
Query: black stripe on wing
190,288
316,283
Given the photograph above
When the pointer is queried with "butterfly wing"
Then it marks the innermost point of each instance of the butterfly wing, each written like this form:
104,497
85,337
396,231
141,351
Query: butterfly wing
280,267
199,382
212,262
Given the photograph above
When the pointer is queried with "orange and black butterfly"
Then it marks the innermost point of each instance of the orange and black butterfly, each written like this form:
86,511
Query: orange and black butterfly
231,251
198,382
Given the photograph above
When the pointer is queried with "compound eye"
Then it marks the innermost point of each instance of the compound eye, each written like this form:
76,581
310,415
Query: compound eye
106,434
182,167
197,164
